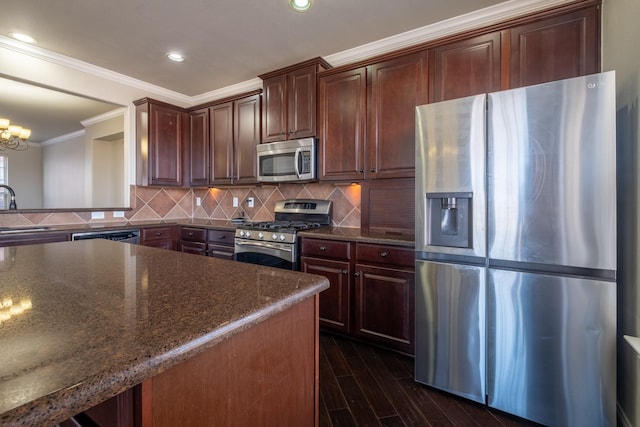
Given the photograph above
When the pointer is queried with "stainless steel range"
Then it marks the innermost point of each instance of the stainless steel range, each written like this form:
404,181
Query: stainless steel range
275,243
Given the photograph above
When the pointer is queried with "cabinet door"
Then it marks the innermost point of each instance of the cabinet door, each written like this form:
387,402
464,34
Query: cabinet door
335,301
199,147
165,145
385,306
275,112
341,124
396,87
556,48
246,139
301,95
465,68
221,143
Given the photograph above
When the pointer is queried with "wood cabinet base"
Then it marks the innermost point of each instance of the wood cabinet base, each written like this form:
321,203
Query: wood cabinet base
265,376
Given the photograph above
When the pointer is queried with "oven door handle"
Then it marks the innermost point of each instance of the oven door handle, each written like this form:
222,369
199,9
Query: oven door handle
267,245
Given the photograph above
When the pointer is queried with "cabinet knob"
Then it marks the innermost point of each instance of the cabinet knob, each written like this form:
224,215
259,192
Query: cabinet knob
361,171
323,248
372,170
345,272
191,233
356,274
384,254
158,233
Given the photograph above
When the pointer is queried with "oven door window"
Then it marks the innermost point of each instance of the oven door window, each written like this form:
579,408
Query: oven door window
267,254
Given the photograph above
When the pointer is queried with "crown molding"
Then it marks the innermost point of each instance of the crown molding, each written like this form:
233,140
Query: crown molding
118,112
459,24
63,138
470,21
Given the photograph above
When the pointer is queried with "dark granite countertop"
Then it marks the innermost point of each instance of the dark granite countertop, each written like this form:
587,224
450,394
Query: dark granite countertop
357,235
103,316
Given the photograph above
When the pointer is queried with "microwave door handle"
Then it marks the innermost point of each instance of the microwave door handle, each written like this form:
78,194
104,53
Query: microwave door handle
297,161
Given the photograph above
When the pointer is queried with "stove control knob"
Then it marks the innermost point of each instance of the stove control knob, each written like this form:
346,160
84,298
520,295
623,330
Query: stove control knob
247,234
274,236
282,237
260,235
241,233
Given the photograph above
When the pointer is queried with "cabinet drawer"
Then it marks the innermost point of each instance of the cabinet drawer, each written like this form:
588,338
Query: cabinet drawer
199,248
326,248
220,237
220,251
381,254
157,233
193,234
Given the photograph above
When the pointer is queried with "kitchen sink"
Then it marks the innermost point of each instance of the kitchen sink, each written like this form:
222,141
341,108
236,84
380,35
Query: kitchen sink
10,230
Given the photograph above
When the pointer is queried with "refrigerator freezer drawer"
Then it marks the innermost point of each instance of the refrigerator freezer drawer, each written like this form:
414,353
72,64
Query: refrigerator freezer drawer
450,328
551,348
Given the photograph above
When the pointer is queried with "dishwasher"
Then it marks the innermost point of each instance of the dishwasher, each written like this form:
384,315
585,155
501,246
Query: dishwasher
127,236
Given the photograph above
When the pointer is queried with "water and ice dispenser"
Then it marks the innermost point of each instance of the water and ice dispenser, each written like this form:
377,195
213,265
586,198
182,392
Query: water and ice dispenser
449,219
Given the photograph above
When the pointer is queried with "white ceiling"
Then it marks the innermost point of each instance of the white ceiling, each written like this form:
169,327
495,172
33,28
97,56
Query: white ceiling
225,42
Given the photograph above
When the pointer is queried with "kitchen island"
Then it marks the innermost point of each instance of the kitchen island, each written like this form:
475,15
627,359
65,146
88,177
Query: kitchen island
191,339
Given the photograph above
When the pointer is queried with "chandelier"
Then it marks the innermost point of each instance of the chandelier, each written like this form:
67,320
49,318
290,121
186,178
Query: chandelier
13,137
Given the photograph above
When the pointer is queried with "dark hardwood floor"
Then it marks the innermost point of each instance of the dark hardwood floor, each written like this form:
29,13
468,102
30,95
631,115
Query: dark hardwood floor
361,385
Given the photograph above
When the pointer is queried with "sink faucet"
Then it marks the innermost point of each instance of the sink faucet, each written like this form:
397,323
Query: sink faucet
12,203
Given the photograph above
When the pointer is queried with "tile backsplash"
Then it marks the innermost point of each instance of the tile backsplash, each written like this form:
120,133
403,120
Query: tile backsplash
156,203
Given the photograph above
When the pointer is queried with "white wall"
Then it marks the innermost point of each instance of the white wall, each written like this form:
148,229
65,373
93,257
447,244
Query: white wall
25,176
621,38
64,173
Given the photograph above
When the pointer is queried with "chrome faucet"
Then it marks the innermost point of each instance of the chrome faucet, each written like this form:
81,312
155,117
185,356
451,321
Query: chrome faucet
12,203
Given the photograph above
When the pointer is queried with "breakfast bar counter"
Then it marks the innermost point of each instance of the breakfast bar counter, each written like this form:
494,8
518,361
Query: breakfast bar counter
195,337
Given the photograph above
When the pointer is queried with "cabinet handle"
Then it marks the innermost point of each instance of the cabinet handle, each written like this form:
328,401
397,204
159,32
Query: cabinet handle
384,254
372,170
191,233
222,237
345,272
361,171
356,274
158,233
323,248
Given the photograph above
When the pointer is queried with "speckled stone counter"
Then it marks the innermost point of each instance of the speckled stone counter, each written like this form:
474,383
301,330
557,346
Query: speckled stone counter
100,317
357,235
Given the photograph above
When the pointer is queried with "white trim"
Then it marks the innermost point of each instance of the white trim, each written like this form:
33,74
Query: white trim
104,116
63,138
473,20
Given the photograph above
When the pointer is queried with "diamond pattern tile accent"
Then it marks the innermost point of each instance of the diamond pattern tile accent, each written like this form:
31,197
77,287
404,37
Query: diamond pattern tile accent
153,203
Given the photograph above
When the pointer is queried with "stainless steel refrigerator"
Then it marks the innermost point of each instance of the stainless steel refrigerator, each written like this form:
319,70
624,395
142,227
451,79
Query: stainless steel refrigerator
516,250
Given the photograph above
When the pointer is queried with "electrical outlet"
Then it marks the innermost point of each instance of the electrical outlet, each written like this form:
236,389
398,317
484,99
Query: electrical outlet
118,214
250,202
235,202
97,215
198,201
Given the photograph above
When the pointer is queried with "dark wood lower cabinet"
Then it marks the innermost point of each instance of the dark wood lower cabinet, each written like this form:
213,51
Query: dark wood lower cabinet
371,293
201,241
159,237
384,306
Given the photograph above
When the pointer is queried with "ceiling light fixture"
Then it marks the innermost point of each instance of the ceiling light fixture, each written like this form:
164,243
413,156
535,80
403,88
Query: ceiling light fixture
175,57
13,137
300,5
23,38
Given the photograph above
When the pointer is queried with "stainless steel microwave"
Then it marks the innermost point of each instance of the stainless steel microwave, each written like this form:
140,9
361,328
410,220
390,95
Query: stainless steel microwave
288,161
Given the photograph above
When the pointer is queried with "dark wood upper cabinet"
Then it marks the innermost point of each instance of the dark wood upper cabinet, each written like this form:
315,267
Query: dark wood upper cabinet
221,122
555,48
246,137
342,103
289,97
160,135
199,147
465,68
395,88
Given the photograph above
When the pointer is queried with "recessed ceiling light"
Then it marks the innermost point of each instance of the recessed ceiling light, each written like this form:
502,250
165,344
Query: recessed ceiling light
23,38
175,57
300,5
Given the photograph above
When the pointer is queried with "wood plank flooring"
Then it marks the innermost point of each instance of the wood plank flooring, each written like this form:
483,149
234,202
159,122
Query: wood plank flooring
361,385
